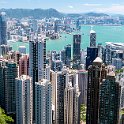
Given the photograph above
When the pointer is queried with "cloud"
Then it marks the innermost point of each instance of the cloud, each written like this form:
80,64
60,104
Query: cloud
116,4
117,9
92,5
71,7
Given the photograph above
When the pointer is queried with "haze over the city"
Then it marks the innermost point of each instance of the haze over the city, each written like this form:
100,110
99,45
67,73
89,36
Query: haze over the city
68,6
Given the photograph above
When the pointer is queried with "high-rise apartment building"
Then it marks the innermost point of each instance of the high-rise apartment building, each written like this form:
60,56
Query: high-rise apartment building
24,100
61,83
43,102
109,100
96,73
37,65
3,27
23,65
8,73
82,83
71,95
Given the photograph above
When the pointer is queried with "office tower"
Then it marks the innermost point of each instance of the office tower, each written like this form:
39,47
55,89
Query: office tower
3,28
4,49
92,38
57,65
96,73
23,65
76,48
22,49
76,52
92,53
71,95
37,59
10,74
68,55
82,83
109,100
43,102
24,100
117,62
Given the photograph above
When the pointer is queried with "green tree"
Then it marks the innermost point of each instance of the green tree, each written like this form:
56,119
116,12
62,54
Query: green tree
4,119
83,113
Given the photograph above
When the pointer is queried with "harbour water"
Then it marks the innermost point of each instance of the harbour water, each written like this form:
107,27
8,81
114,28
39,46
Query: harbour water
104,34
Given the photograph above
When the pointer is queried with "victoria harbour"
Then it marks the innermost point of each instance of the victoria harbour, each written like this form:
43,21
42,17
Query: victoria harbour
104,34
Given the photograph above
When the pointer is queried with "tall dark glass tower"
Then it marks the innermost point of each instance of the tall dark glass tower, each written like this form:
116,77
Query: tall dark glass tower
109,100
3,38
96,73
68,55
76,48
92,53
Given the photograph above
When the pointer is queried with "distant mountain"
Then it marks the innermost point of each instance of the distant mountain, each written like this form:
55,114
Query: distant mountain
95,14
73,15
45,13
35,13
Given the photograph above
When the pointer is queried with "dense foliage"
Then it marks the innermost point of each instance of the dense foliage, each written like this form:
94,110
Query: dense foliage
4,119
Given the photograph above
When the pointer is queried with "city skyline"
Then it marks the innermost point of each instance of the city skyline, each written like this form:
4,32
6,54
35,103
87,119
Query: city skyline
111,6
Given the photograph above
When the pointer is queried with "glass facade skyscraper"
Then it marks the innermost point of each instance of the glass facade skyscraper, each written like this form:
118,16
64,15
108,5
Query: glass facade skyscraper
3,27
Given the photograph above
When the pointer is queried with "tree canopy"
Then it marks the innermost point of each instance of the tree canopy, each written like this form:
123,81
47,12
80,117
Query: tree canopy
4,119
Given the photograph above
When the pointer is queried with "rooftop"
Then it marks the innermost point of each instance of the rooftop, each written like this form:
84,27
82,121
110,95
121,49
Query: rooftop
98,60
92,32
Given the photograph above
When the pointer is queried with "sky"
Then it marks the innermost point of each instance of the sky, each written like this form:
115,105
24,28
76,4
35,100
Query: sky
69,6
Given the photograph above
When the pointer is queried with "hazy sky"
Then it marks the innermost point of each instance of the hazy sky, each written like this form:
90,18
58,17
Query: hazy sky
68,6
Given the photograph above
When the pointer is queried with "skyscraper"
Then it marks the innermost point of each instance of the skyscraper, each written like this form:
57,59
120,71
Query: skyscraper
92,38
59,97
3,37
76,48
71,96
37,59
92,53
24,100
96,73
82,83
109,100
8,73
43,102
68,55
23,65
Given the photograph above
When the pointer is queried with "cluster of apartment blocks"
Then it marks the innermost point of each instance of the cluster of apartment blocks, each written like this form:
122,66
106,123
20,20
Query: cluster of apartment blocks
55,96
56,92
